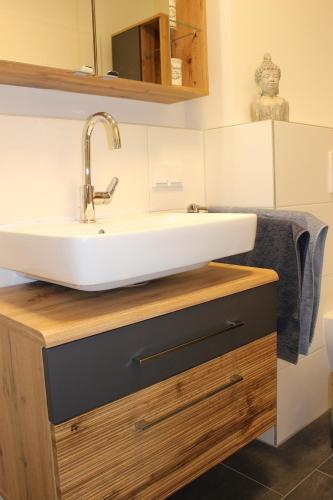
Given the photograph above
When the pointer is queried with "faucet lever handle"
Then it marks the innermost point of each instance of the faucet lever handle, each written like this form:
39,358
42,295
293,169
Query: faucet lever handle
105,197
112,186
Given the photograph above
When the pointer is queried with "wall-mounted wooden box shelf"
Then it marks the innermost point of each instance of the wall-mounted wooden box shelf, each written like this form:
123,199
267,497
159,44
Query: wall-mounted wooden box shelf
187,42
142,51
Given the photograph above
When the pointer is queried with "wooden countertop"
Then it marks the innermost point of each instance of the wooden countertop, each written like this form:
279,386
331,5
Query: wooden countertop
54,315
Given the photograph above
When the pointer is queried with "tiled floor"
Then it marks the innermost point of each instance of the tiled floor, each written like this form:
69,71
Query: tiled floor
300,469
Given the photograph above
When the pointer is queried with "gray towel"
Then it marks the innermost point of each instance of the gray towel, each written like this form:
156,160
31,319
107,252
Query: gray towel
296,320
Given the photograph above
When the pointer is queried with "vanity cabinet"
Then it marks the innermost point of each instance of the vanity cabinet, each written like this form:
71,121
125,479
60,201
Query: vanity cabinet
135,392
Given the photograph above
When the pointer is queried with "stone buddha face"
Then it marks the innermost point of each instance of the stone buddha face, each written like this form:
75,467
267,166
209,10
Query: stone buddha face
269,105
269,82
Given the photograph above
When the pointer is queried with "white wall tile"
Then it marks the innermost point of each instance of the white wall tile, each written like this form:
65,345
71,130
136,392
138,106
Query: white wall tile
328,332
129,164
239,165
326,305
302,394
269,436
301,162
40,168
184,148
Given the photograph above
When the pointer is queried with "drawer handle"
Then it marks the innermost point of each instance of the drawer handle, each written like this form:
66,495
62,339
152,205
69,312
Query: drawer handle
230,326
142,425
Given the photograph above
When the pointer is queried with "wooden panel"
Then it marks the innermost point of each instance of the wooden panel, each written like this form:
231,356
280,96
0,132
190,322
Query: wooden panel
26,458
192,49
193,423
55,315
29,75
165,51
150,52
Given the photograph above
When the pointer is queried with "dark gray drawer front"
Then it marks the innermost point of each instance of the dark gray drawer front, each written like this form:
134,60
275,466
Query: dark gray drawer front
91,372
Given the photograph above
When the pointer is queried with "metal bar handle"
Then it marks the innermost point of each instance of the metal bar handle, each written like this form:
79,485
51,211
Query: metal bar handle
230,326
143,425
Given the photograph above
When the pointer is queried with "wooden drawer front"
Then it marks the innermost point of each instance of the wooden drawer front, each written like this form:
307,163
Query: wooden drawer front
92,372
149,444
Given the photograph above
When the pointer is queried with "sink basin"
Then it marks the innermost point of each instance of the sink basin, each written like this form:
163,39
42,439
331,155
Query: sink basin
125,250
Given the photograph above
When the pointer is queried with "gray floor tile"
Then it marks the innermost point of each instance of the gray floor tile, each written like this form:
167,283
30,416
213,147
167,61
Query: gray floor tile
283,468
222,482
327,466
317,485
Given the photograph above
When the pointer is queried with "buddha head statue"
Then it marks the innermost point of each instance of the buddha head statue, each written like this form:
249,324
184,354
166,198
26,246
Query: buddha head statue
267,77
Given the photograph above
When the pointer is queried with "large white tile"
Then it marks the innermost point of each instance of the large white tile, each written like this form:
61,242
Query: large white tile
129,164
239,165
301,163
302,394
282,364
269,437
328,332
326,305
171,147
40,168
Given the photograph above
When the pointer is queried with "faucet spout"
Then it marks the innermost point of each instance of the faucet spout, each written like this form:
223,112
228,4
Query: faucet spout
89,197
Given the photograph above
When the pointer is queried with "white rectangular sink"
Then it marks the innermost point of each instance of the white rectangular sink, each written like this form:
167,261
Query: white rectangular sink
124,250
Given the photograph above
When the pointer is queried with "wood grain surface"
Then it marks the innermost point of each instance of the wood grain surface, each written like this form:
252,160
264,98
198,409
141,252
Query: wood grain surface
54,315
192,49
103,454
26,457
30,75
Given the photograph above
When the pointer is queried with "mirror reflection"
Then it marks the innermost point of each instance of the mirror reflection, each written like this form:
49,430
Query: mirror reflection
47,32
130,41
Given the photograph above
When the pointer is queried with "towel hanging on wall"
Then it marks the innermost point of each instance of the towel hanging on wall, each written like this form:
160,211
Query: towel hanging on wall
292,243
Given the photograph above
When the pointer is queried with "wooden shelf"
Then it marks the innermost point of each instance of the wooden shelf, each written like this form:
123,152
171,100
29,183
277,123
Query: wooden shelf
30,75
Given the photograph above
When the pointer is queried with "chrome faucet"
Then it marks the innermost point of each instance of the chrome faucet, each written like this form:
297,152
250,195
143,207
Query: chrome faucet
90,198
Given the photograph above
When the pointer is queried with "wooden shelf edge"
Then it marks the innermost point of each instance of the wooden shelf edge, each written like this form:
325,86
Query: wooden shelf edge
43,77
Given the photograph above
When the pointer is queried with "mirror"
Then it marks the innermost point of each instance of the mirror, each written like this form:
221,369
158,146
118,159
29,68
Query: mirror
50,33
141,41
